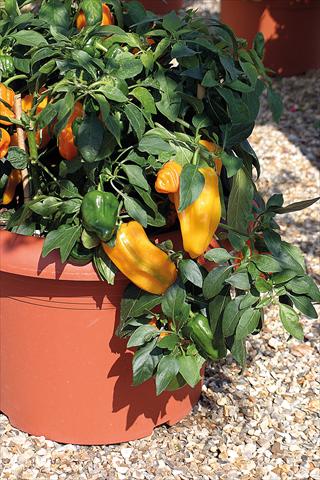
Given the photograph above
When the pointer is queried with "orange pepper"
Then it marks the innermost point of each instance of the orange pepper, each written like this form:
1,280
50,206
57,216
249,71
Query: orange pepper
7,95
107,17
14,179
67,148
214,148
168,178
4,142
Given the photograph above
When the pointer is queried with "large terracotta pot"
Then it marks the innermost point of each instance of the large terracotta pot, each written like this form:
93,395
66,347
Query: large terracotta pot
64,373
290,27
162,6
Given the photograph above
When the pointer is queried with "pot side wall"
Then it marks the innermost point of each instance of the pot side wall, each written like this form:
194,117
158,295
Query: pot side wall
64,373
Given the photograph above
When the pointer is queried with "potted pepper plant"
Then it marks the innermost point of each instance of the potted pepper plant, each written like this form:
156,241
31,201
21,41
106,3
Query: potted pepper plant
134,243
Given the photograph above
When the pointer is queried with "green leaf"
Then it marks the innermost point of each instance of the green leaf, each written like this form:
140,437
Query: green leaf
135,176
231,317
142,335
145,98
210,80
173,302
190,270
296,206
92,10
214,281
89,240
113,124
180,50
17,158
266,263
129,66
168,342
29,38
275,200
135,211
239,352
248,323
218,255
104,267
89,138
191,185
64,239
68,189
290,321
189,369
136,119
231,162
273,241
235,133
262,285
160,49
168,368
72,205
143,363
46,206
258,44
54,12
145,303
216,308
304,285
248,300
239,280
304,305
46,116
275,104
114,93
240,201
172,22
283,277
291,258
154,145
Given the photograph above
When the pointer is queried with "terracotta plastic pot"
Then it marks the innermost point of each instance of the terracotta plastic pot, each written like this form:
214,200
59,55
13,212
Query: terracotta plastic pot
290,27
64,373
162,6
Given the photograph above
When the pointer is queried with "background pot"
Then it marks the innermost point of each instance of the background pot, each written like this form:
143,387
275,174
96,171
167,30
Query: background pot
162,6
64,373
290,27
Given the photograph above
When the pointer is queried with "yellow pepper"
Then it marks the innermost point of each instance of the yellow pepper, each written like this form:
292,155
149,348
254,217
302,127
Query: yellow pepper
214,148
4,142
199,221
146,265
14,179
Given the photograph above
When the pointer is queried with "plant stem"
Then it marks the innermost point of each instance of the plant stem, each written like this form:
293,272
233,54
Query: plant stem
195,158
47,171
12,79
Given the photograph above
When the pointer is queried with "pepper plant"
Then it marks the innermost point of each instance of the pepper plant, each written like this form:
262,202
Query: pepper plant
119,127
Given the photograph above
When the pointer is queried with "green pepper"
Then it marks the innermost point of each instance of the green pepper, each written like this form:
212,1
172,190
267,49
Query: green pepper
199,331
6,66
80,255
99,213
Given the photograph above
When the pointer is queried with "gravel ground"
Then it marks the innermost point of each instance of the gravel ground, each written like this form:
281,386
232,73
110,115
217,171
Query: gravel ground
260,425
